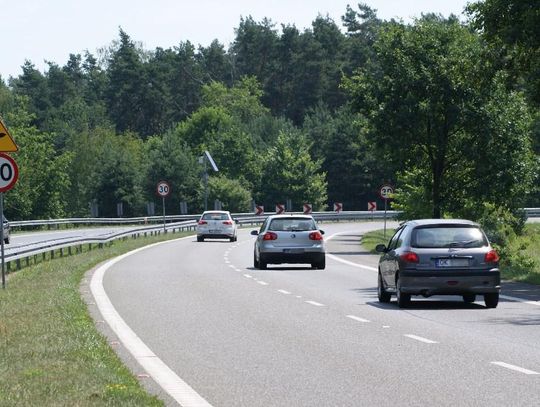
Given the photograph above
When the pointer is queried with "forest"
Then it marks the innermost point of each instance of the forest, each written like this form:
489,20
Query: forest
445,110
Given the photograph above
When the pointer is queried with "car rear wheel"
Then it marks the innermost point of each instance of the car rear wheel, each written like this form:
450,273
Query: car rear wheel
200,239
262,265
255,262
469,298
6,240
491,300
403,299
384,296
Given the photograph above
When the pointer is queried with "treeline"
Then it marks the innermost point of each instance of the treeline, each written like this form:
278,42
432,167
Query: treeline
317,116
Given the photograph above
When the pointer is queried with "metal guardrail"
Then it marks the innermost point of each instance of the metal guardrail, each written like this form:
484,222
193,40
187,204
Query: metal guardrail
345,215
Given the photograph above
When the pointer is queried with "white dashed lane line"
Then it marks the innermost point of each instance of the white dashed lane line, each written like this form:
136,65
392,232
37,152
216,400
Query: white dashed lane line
515,368
315,303
262,282
419,338
248,276
358,318
284,292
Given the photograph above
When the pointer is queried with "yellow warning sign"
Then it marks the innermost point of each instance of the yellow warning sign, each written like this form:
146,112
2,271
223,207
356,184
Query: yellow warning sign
7,145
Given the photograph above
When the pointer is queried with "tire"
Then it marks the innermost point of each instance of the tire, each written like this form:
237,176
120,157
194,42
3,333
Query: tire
384,296
403,299
6,240
232,239
262,264
491,300
469,298
255,262
200,239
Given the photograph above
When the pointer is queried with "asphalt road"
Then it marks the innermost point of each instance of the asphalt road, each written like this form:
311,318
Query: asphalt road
292,336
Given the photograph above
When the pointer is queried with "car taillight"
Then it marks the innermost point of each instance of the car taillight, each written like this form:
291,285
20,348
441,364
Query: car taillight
409,257
269,236
491,257
315,236
203,222
227,222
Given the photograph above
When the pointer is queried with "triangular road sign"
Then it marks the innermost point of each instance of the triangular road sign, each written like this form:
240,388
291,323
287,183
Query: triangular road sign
7,145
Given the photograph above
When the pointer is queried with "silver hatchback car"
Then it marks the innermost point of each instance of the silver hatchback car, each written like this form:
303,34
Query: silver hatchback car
289,239
216,225
439,256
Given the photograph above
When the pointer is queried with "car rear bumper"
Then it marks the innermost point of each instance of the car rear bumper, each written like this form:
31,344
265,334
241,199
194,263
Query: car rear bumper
216,236
280,257
450,282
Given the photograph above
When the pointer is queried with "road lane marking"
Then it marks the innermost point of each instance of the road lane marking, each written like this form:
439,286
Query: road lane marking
232,266
516,368
507,297
419,338
248,276
262,282
317,304
166,378
350,263
284,292
358,318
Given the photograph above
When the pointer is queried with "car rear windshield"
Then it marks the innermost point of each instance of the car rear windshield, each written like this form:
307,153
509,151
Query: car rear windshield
292,225
215,216
448,236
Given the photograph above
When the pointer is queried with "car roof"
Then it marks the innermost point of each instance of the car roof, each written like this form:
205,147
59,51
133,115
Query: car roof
429,222
215,212
292,215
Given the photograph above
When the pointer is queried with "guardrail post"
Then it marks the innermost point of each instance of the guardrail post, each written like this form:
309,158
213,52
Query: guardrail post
61,252
100,245
18,264
52,254
89,247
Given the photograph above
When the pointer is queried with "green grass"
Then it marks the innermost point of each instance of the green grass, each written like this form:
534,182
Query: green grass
51,353
521,262
372,239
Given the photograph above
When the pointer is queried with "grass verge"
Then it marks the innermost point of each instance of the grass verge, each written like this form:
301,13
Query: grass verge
522,262
51,353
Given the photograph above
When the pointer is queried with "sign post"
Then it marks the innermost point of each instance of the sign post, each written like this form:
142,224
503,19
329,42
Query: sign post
9,173
385,192
163,189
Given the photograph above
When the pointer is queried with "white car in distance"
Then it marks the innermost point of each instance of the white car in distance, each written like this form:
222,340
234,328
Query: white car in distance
216,225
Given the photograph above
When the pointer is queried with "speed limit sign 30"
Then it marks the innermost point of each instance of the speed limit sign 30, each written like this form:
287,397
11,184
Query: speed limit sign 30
163,188
9,172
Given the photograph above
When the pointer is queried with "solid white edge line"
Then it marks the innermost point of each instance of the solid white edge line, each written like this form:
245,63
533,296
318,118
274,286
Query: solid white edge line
516,368
419,338
358,318
350,263
507,297
154,366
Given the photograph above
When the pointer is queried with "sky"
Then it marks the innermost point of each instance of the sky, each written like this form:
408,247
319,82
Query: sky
40,31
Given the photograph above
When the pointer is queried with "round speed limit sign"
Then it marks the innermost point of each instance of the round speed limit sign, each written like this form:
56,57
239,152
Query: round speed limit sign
9,172
385,191
163,188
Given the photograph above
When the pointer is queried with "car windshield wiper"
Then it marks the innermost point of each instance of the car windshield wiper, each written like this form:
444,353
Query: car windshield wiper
461,243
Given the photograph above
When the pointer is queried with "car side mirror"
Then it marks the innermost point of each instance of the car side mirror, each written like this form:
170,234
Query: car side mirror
236,221
255,232
322,231
380,248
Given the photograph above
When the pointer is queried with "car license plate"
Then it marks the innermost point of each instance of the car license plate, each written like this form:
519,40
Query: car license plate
214,231
452,262
293,250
